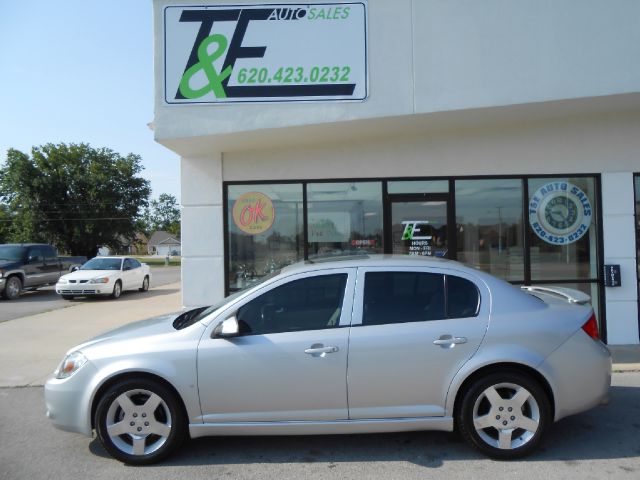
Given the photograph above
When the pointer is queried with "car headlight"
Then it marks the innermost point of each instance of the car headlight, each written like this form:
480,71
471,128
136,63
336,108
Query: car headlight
63,280
99,280
70,365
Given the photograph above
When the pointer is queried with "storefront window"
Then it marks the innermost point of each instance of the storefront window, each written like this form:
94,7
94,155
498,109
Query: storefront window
489,226
265,230
344,218
563,228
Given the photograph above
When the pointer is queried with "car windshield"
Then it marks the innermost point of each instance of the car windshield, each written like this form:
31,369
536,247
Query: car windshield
102,264
9,252
192,316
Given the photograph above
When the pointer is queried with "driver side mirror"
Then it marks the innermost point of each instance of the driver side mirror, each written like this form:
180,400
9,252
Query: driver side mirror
228,328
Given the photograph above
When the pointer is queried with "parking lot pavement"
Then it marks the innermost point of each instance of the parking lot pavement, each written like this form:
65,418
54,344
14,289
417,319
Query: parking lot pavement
45,299
599,444
32,347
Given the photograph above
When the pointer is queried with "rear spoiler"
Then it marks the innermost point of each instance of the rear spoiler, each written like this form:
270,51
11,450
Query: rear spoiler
569,294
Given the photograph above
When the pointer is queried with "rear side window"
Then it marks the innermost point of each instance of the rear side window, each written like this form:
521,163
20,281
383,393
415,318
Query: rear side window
463,298
312,303
50,253
401,297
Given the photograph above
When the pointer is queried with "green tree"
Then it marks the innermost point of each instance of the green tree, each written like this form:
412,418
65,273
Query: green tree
163,214
77,197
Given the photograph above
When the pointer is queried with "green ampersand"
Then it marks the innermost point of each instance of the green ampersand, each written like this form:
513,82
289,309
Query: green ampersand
206,64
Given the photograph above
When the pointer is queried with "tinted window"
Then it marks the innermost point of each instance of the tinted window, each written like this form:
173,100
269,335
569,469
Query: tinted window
50,253
400,297
35,255
135,263
312,303
463,299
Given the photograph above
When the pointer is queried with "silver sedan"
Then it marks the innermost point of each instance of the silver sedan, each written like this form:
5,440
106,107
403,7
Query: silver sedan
374,344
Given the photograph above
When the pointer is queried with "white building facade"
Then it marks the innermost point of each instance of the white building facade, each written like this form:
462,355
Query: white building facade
504,134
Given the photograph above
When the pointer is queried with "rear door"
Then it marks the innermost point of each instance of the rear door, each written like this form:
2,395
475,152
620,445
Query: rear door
413,330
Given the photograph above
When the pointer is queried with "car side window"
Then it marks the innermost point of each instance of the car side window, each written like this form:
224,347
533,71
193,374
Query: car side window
463,298
312,303
128,264
134,263
35,255
401,297
50,253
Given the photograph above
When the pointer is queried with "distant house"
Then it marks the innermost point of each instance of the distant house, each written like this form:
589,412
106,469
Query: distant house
135,246
163,243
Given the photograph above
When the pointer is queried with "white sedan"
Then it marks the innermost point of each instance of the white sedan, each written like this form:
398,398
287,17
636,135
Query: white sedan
105,276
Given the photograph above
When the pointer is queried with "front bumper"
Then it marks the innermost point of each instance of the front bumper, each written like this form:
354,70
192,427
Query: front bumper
84,288
68,401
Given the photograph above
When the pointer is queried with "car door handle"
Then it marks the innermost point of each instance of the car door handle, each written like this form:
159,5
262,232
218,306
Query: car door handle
320,350
449,341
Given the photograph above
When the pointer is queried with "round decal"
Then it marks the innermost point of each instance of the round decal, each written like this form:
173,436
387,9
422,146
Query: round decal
253,213
560,213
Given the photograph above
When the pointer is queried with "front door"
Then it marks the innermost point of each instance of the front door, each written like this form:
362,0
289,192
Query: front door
290,361
419,225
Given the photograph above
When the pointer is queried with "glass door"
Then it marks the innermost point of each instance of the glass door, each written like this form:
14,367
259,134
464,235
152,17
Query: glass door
419,225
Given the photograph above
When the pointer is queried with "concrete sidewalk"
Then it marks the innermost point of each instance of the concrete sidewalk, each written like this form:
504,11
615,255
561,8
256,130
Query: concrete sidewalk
31,347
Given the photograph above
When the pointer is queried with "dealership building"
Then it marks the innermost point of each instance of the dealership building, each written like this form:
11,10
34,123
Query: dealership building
504,134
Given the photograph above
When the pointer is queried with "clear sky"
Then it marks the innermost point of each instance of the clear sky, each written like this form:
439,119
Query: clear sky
81,71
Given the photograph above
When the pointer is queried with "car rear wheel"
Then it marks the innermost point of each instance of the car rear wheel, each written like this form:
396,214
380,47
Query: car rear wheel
145,285
504,415
117,290
140,421
12,288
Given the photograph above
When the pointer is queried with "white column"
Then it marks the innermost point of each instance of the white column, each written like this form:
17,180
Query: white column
202,230
620,248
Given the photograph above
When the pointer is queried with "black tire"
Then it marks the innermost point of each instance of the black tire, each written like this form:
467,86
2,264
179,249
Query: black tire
512,413
117,290
12,288
148,434
145,284
68,297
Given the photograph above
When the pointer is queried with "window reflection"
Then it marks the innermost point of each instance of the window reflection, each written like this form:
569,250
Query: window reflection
489,226
344,218
560,248
265,230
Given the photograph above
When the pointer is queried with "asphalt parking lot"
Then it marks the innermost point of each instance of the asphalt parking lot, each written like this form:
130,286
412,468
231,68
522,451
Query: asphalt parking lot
45,299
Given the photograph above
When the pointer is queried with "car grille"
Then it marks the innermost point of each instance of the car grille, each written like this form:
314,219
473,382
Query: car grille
76,281
79,291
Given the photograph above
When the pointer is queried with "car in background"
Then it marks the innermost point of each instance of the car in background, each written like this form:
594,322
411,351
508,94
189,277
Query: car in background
107,276
358,345
28,266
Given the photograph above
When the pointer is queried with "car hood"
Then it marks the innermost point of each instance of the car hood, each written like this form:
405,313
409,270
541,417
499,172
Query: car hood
89,274
9,264
133,331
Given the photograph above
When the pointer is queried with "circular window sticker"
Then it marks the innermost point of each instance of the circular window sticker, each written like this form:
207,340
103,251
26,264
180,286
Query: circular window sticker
560,213
253,213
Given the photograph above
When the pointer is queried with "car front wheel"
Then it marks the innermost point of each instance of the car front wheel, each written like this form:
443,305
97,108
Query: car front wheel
504,415
140,421
12,288
117,290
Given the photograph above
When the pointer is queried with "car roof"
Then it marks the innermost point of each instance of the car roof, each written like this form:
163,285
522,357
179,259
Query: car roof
386,260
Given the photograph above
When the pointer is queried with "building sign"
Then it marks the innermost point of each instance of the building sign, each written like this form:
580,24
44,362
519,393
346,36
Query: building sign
560,213
265,53
419,243
253,213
